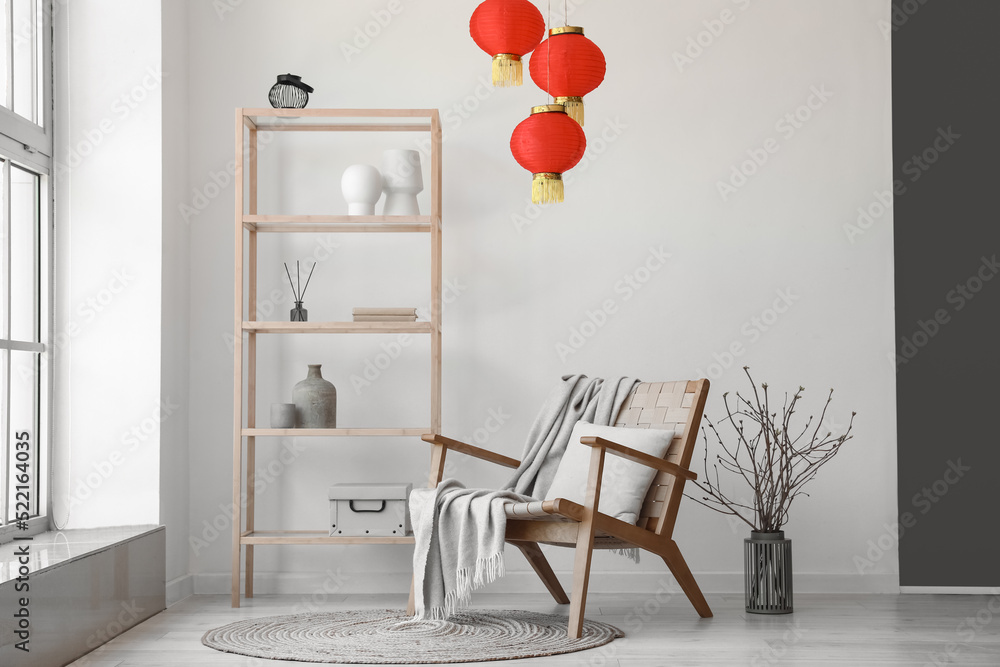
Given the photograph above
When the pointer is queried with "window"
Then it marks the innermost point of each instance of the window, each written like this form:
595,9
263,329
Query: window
26,165
23,61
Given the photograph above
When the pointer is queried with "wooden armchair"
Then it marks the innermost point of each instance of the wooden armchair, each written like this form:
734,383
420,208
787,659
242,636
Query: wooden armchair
667,405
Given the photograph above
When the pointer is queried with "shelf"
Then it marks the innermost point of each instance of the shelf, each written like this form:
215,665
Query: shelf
338,223
330,432
338,327
340,120
419,128
315,537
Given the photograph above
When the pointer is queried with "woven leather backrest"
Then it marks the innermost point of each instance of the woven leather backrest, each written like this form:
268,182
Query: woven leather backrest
666,405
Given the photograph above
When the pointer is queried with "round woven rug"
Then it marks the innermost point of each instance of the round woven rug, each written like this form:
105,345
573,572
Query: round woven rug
390,637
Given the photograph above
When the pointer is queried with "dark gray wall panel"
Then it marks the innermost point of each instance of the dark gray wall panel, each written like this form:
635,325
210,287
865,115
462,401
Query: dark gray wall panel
946,149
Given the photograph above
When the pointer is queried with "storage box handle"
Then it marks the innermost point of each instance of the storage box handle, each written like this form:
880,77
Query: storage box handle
353,509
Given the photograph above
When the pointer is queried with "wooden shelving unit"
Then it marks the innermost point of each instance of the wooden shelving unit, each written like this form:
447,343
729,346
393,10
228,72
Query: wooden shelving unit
249,123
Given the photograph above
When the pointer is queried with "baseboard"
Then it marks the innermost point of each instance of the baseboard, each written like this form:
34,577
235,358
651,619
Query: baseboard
337,582
949,590
179,588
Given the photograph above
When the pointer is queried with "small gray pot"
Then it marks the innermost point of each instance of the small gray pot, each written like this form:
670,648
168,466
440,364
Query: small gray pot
282,415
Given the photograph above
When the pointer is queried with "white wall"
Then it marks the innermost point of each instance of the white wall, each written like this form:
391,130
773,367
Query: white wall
176,291
661,139
109,248
121,449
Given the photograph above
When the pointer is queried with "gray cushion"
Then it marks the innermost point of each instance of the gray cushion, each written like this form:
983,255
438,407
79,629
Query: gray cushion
624,484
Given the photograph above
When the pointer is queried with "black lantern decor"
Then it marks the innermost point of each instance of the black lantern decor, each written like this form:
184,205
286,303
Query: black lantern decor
289,92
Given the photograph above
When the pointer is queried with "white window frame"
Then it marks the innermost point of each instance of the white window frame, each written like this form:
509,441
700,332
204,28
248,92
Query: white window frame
30,146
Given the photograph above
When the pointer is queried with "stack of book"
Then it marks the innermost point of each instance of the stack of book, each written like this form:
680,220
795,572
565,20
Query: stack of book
385,314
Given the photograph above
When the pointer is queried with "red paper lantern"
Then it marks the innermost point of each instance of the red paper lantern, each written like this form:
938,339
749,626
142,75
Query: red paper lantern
568,66
548,143
507,29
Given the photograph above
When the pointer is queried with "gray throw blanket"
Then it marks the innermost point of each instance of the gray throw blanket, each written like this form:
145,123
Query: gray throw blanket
459,532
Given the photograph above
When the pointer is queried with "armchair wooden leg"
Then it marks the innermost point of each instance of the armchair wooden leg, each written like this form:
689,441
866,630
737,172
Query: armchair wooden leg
542,568
675,561
581,578
585,545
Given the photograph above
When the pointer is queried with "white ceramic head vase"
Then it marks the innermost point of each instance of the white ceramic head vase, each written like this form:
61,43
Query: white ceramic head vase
362,188
402,181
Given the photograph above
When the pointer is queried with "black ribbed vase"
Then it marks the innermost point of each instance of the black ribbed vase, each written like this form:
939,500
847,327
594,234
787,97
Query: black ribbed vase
767,573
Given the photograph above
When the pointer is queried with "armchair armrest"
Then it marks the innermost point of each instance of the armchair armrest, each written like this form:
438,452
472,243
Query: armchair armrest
637,456
470,450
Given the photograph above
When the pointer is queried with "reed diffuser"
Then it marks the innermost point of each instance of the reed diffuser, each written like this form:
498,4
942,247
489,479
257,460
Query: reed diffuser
298,313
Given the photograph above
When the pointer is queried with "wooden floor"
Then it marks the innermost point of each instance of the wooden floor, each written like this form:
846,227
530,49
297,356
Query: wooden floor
661,628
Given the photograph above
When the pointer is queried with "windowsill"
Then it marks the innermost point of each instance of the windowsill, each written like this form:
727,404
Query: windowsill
54,548
36,526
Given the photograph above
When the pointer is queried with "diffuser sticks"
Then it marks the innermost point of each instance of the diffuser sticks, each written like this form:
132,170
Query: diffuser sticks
298,313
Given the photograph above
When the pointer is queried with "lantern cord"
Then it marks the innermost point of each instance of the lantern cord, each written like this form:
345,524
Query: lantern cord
565,12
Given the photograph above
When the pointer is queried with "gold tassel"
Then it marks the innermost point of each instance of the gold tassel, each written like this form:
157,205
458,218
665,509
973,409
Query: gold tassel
507,70
574,107
546,188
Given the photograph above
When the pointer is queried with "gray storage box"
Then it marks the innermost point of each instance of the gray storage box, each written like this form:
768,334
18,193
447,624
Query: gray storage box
372,510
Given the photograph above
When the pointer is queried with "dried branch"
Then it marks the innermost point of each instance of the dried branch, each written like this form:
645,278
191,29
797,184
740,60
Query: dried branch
773,463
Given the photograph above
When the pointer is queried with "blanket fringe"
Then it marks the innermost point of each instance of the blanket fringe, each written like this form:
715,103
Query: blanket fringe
632,554
486,571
